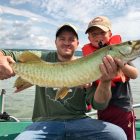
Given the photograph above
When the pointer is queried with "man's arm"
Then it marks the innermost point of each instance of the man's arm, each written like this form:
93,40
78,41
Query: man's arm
103,92
128,69
7,57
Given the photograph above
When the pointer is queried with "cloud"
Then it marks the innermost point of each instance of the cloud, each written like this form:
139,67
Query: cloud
38,20
25,13
17,33
17,2
128,24
24,35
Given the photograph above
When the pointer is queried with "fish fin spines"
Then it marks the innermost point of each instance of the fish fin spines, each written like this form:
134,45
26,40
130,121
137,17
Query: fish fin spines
28,57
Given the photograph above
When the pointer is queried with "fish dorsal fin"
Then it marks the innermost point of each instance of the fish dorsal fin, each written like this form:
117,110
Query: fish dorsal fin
28,57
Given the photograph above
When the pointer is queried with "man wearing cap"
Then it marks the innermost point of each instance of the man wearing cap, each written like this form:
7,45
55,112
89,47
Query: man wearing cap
119,110
65,119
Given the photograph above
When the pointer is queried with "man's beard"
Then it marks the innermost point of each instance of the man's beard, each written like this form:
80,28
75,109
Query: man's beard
66,56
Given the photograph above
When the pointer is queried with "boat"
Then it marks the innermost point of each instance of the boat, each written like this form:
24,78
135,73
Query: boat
10,126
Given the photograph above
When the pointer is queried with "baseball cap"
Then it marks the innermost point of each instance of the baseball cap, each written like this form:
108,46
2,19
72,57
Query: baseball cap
101,22
66,27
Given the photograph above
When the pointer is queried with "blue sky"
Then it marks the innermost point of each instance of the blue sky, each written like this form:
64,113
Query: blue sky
33,23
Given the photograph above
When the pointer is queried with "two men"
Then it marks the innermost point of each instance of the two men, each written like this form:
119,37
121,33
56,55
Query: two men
65,118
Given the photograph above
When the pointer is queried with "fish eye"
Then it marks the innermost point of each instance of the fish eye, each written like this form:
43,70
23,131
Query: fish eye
129,42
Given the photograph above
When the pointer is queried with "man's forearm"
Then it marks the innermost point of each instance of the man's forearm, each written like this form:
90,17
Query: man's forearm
103,92
130,71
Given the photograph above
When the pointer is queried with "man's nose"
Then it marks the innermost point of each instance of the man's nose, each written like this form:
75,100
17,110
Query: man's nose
66,42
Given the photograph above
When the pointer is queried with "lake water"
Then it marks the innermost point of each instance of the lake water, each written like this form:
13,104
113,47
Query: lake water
20,104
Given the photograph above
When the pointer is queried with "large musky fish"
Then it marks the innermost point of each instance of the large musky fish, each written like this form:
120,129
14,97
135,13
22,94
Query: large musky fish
74,73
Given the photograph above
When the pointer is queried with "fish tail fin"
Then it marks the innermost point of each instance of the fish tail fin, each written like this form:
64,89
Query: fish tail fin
61,93
21,84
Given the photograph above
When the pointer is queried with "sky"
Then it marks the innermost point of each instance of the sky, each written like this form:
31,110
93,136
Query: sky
32,24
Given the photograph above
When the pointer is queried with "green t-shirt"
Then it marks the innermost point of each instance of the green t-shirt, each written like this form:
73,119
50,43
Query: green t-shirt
73,106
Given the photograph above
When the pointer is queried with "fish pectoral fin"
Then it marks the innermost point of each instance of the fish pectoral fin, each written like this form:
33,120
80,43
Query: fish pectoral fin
21,84
28,57
61,93
121,74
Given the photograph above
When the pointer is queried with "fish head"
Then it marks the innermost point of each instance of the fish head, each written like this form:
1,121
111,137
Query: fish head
130,50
